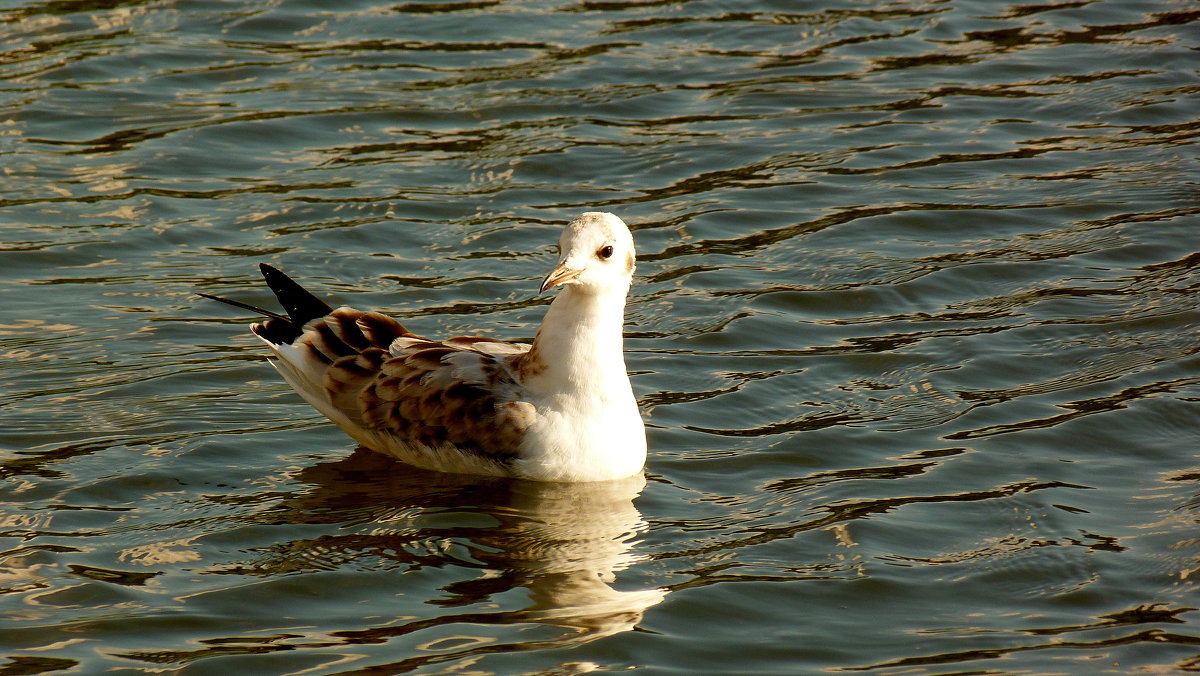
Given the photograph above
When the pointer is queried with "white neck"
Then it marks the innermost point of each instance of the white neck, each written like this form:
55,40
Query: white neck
580,346
588,427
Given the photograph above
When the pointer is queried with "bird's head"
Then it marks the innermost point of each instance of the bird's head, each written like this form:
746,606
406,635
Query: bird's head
595,255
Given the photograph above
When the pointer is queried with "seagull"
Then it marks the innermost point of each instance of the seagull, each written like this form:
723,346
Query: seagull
559,409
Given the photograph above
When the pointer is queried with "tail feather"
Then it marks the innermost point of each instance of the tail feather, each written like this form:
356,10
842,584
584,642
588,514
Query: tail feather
244,306
301,306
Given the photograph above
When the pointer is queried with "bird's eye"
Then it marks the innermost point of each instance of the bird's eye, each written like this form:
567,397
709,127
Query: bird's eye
605,252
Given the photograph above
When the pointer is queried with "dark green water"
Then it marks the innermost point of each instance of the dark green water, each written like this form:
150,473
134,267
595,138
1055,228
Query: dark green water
915,331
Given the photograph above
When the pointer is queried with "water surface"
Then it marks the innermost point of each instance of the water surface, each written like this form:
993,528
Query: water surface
914,331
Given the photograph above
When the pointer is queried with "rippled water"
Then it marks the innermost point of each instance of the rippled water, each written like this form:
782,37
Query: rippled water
915,331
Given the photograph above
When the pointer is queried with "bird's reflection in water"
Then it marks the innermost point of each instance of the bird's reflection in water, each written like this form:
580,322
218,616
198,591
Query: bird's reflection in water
564,543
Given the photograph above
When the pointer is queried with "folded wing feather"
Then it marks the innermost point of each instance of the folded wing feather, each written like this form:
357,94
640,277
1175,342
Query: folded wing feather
422,400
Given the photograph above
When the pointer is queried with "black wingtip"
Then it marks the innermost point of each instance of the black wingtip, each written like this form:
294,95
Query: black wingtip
301,306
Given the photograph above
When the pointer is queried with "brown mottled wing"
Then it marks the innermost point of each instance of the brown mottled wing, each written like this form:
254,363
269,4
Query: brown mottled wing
422,394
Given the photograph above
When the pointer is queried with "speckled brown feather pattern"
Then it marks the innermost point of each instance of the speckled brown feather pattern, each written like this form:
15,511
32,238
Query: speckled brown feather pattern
422,393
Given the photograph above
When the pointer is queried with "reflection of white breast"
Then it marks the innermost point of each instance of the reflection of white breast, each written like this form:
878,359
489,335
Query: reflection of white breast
563,527
572,539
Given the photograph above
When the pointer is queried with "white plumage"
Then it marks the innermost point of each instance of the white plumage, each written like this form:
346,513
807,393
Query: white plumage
561,409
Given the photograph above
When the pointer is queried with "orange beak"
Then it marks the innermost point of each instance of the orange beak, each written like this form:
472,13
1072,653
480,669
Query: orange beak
559,275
